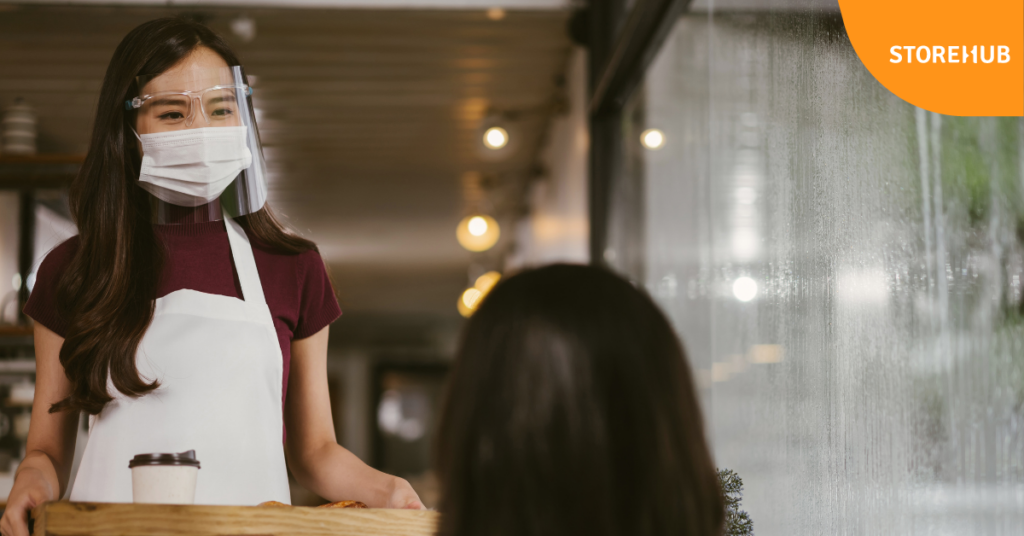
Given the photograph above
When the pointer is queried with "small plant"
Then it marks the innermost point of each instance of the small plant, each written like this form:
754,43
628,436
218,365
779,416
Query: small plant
737,522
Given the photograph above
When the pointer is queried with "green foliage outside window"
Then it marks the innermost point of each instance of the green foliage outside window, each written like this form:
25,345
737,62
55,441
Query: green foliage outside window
737,522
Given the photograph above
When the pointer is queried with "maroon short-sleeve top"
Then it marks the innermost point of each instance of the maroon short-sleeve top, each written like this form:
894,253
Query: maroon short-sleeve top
297,288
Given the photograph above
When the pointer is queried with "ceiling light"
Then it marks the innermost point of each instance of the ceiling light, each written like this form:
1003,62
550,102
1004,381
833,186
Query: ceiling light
498,136
477,226
487,281
495,13
744,288
653,139
495,138
471,298
469,301
244,27
478,232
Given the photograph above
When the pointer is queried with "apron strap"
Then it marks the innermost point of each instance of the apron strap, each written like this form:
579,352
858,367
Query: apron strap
245,263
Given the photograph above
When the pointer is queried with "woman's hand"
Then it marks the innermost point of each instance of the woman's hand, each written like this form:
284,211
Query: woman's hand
403,496
30,489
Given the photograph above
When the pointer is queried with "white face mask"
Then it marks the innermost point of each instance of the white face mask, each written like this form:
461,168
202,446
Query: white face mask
194,166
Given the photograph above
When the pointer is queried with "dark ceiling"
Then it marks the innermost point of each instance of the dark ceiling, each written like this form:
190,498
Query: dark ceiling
369,120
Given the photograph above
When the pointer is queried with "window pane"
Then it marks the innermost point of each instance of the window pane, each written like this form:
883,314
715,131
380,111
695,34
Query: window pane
845,271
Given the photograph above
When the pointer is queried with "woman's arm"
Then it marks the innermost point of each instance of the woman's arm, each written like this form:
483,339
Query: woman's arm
316,459
50,449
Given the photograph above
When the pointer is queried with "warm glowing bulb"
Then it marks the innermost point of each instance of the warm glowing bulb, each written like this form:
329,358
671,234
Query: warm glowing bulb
487,281
495,138
478,232
744,288
495,13
477,226
471,296
653,138
468,301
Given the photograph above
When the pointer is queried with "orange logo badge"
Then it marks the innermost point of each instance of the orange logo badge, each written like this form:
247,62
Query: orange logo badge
953,58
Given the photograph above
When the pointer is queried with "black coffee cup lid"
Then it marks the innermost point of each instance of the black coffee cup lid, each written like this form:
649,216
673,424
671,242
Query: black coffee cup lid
187,458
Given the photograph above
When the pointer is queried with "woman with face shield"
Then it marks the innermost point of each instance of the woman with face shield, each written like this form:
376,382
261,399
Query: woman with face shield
183,316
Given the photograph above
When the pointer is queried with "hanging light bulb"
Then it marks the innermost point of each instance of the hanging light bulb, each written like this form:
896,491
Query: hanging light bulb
495,138
744,288
653,139
469,301
471,298
487,281
477,226
498,136
478,232
244,27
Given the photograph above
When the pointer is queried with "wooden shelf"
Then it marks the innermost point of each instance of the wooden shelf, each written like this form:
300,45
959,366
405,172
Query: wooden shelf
15,331
16,336
38,170
18,365
103,519
41,158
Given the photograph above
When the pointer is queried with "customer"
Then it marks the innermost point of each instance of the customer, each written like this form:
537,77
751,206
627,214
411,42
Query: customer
571,411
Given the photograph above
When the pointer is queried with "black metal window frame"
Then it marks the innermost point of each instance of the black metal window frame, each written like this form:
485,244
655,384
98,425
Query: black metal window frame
622,43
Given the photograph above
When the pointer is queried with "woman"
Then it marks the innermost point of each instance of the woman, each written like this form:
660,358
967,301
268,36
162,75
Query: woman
183,316
571,411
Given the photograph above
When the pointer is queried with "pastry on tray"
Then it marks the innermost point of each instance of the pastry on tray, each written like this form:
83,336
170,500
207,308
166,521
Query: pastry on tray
339,504
343,504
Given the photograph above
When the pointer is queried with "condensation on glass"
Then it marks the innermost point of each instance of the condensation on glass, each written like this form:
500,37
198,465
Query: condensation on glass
846,273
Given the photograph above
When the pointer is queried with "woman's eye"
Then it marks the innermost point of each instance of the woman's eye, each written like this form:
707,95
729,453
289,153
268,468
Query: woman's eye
171,116
222,112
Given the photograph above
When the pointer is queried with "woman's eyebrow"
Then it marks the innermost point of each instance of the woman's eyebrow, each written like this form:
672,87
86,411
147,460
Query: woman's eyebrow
222,98
163,101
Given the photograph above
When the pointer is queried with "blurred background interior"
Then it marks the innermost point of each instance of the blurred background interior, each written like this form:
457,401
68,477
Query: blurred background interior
845,269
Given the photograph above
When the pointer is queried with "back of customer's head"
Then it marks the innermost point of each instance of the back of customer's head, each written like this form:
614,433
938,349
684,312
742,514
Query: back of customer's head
571,411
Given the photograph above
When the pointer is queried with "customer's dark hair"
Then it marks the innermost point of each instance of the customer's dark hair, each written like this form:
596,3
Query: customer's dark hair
571,410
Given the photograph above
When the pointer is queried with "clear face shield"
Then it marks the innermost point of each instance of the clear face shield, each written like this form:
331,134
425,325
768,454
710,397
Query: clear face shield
200,146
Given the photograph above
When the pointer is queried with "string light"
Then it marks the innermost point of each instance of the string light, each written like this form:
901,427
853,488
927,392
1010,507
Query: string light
473,296
487,281
744,288
495,138
477,226
478,232
653,139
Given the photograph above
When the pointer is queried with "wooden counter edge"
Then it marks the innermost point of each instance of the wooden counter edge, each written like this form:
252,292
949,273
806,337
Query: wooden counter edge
63,518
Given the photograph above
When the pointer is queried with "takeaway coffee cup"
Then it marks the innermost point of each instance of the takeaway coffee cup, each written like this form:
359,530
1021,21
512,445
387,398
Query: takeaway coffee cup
164,478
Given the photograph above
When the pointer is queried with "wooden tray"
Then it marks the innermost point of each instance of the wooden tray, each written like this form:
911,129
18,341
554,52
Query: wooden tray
105,519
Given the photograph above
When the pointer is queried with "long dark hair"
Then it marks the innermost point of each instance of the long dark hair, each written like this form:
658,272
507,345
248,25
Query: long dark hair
107,293
571,410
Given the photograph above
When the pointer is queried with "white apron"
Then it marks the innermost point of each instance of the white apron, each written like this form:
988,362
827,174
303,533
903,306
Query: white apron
219,364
